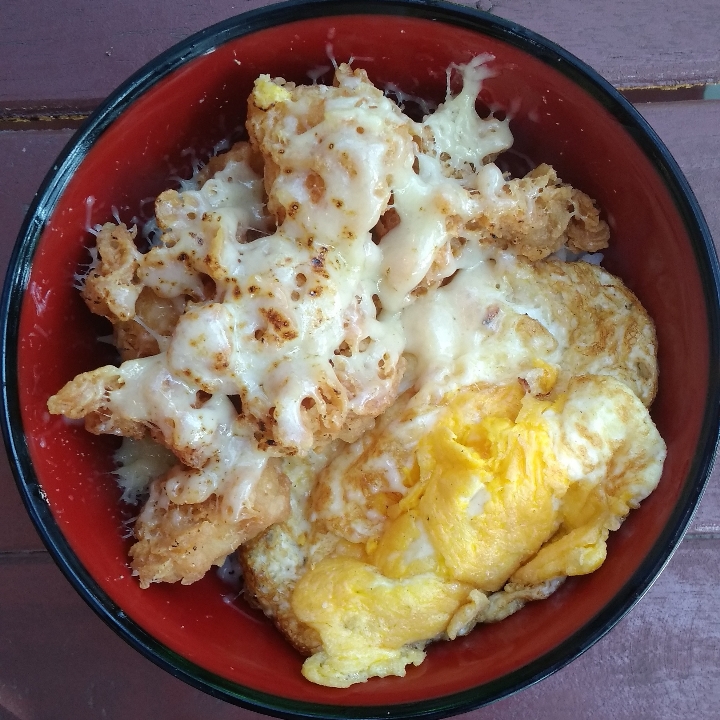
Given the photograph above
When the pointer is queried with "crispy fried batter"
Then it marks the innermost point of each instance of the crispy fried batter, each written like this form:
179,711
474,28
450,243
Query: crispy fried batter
86,393
388,220
239,152
111,288
154,322
586,231
539,214
87,397
267,125
182,542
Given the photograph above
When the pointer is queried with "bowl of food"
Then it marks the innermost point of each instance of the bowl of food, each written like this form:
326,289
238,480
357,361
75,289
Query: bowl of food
360,359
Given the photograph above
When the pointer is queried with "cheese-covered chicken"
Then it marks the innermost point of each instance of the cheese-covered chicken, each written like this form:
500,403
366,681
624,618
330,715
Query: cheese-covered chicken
372,374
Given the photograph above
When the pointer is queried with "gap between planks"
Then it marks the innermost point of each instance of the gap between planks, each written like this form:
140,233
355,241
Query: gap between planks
24,557
71,115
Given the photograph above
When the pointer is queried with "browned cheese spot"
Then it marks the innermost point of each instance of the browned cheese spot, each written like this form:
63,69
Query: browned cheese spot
315,186
282,326
221,361
318,263
348,165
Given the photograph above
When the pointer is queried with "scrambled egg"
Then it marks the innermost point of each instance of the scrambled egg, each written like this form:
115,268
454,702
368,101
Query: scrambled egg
489,502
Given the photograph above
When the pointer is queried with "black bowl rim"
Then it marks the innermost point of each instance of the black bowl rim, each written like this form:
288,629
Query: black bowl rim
46,199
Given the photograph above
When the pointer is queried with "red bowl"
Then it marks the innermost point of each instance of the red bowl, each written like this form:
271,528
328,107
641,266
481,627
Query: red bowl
193,96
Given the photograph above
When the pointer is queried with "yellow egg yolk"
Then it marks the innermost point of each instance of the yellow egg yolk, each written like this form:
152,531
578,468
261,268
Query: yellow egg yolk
485,499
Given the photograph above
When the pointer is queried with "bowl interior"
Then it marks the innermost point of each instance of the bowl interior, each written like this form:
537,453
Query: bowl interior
182,117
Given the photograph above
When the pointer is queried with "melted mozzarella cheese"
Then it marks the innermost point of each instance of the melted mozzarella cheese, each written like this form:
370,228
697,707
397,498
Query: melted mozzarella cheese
292,321
298,291
474,330
457,130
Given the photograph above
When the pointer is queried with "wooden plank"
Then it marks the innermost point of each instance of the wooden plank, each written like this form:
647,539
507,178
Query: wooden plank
27,156
17,533
644,42
707,517
86,50
89,48
691,131
59,661
660,662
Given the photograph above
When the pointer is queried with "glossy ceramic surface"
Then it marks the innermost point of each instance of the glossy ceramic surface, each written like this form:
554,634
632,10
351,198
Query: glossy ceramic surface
194,96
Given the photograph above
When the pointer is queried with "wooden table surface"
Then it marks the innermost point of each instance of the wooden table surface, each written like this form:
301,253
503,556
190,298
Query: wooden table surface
58,661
